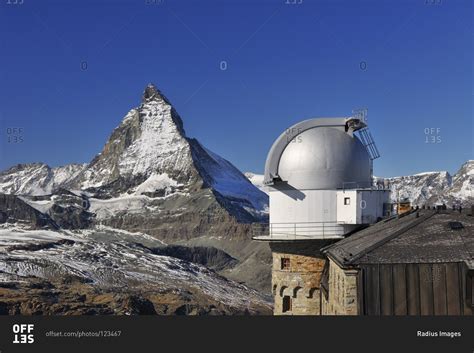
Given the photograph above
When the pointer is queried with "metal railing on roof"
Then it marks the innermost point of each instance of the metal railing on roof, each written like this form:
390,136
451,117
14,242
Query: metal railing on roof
298,230
353,185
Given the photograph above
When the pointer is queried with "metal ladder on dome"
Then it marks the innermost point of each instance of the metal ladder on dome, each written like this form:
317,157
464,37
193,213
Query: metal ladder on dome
365,135
369,143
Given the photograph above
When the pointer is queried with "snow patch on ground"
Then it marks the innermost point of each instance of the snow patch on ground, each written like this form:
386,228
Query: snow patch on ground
109,207
156,182
42,205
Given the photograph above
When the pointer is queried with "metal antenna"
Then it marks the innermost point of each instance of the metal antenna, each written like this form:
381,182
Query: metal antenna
360,114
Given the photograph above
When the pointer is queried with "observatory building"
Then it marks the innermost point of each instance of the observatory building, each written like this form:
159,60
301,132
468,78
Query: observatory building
319,176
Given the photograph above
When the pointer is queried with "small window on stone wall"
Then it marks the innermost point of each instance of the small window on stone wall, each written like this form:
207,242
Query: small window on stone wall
347,200
285,263
286,303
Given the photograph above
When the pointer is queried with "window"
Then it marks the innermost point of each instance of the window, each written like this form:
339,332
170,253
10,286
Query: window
455,225
347,200
286,303
285,263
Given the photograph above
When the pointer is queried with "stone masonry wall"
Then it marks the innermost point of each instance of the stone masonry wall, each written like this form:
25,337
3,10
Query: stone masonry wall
299,279
342,294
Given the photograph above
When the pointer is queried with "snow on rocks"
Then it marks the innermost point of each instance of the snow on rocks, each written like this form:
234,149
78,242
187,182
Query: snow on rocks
112,262
157,182
148,154
37,179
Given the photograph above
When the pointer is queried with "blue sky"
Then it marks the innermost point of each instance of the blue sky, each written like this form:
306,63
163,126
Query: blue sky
408,62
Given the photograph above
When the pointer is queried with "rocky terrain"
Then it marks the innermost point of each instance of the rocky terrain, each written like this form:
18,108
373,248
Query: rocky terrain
107,271
433,188
149,179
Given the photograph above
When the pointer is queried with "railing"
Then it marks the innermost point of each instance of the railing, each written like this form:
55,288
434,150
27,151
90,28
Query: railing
299,230
354,185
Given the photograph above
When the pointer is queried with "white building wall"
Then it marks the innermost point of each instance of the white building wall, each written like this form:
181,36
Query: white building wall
360,206
323,213
309,213
347,213
297,206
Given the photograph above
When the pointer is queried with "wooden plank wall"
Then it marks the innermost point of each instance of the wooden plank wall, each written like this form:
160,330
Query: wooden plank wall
414,289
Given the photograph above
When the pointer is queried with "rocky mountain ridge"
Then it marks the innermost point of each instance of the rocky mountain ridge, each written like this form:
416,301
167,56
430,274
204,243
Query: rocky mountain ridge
435,188
153,182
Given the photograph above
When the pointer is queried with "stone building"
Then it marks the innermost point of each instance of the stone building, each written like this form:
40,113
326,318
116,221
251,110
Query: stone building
417,264
296,277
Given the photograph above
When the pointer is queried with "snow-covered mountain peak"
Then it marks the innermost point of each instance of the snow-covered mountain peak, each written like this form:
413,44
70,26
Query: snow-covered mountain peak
148,155
161,140
468,167
431,188
150,140
152,93
463,181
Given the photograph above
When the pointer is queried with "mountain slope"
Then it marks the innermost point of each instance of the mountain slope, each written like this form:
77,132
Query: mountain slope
151,178
432,188
107,271
149,141
420,188
37,178
462,185
257,180
147,154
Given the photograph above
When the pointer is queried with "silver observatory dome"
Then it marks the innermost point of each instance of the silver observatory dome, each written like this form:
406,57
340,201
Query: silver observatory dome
318,154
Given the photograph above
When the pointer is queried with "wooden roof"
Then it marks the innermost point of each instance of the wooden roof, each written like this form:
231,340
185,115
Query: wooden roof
426,238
